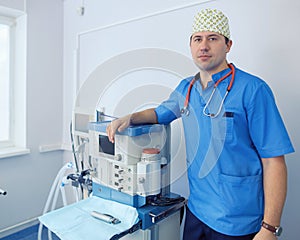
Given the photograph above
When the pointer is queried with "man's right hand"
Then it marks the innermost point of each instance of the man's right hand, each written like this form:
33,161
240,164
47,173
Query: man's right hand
147,116
119,125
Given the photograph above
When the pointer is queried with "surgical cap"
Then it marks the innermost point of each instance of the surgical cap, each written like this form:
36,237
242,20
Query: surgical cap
211,20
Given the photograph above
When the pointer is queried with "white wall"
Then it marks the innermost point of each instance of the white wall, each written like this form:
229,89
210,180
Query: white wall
27,179
265,38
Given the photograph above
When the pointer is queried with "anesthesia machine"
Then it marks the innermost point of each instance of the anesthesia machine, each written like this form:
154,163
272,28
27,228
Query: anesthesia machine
135,171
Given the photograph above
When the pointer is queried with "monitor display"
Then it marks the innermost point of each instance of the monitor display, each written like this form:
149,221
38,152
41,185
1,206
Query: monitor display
105,146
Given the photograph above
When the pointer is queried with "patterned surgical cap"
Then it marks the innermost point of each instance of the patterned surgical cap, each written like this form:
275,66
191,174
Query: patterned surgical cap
211,20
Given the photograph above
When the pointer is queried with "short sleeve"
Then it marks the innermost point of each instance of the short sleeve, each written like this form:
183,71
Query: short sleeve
266,126
168,110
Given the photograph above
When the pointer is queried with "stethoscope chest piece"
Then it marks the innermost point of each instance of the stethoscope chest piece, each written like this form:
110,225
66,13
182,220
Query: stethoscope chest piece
185,111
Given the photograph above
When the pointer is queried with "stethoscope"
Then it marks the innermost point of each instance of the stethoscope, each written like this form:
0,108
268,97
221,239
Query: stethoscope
185,109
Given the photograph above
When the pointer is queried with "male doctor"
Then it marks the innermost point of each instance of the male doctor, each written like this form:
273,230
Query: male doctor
235,141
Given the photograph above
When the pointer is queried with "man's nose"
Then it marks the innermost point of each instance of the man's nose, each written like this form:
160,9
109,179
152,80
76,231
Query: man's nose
203,46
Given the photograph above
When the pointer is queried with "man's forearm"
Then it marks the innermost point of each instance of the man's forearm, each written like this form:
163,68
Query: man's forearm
275,188
144,117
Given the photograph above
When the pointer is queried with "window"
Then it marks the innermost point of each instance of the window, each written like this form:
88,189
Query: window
12,82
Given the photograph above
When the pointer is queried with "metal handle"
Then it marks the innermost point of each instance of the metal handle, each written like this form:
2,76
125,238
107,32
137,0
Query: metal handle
2,192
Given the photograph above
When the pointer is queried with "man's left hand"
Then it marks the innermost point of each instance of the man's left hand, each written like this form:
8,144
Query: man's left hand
265,234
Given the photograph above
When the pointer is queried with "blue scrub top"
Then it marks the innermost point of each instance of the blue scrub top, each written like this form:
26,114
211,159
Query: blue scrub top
224,153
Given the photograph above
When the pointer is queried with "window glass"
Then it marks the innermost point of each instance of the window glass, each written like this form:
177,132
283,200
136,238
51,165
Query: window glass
4,83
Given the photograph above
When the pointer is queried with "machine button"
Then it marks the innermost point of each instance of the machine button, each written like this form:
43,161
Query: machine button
118,157
141,180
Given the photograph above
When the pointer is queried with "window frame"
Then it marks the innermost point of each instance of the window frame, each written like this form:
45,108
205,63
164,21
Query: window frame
10,23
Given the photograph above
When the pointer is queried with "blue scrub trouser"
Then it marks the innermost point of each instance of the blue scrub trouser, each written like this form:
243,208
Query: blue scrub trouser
194,229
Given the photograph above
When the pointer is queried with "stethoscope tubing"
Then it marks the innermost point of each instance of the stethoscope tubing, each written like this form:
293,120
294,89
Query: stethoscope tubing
185,109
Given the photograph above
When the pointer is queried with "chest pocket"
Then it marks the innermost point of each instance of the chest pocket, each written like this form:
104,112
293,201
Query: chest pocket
222,127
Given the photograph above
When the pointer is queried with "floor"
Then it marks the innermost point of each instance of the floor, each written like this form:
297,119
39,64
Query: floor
30,233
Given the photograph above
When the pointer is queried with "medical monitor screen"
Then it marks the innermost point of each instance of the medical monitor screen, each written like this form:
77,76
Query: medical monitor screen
105,146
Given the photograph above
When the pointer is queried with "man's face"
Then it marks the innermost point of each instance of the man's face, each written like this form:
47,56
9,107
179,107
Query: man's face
209,51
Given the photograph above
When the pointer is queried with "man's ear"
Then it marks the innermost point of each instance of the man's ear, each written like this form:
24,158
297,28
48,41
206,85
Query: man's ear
229,45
